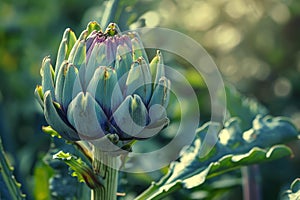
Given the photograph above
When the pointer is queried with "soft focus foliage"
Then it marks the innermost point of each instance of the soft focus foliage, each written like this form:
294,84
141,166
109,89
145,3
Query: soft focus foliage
239,144
254,43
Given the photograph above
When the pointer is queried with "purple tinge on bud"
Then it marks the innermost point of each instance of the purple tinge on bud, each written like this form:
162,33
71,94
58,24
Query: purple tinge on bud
102,85
94,38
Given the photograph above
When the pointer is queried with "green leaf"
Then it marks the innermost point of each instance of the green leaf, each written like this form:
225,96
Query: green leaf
61,184
244,108
293,192
228,154
9,187
82,171
51,131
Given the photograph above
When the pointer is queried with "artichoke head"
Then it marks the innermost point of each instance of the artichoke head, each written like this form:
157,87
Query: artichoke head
103,84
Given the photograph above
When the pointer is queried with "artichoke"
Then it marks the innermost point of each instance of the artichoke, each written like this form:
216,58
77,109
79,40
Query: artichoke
103,85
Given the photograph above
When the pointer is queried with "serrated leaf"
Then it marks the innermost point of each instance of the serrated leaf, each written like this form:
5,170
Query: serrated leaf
61,184
10,188
82,171
192,170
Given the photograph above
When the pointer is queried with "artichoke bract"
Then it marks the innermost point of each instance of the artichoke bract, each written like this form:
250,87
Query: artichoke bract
103,84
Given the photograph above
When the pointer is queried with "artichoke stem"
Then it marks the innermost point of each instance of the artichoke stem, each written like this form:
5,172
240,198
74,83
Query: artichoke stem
106,166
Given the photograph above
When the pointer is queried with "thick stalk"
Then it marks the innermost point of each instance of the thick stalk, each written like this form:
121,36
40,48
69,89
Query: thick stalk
105,165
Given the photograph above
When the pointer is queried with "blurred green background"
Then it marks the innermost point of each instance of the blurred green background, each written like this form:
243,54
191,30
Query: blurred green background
255,44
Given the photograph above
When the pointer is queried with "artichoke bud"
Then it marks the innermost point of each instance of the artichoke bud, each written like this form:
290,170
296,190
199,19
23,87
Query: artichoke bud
103,85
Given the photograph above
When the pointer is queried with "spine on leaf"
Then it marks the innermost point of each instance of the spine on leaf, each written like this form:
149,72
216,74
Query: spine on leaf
10,188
